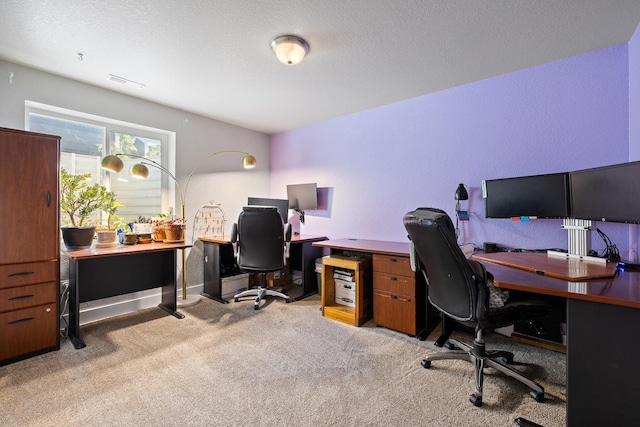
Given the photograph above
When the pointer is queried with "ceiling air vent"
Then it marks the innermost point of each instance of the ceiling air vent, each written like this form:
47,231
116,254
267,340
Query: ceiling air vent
124,81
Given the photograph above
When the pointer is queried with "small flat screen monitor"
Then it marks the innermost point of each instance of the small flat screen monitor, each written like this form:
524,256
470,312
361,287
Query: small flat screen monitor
609,193
539,196
281,204
303,196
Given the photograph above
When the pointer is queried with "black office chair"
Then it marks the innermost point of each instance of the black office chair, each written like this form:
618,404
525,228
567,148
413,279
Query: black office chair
261,244
458,288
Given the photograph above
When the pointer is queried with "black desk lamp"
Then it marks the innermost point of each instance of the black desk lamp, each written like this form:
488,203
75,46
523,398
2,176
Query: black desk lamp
461,194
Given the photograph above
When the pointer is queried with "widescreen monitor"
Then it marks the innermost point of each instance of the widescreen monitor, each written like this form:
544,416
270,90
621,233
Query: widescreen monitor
536,196
281,204
303,196
609,193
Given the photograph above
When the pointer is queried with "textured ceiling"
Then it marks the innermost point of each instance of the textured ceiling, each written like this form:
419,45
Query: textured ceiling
213,57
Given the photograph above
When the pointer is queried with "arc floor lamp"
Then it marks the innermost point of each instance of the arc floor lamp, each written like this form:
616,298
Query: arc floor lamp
114,163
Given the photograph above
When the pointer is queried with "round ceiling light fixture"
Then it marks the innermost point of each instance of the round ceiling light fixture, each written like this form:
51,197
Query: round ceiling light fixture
290,50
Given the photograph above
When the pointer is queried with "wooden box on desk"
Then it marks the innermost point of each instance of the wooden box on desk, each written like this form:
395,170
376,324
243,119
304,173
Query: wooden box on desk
363,308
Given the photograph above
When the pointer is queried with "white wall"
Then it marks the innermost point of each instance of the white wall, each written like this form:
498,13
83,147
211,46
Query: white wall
220,178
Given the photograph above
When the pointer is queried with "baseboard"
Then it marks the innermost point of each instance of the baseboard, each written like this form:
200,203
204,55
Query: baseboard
116,306
539,342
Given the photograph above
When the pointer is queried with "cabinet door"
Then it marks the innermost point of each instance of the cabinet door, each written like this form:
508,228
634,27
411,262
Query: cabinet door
29,198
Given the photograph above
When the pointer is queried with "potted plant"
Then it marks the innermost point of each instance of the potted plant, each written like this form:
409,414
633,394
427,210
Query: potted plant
109,237
174,230
158,225
77,201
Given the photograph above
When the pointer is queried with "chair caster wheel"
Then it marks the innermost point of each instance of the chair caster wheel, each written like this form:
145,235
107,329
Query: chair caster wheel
287,300
236,299
449,345
426,364
476,400
256,307
538,397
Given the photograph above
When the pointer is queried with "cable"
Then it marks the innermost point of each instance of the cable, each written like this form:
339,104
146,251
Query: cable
610,251
64,305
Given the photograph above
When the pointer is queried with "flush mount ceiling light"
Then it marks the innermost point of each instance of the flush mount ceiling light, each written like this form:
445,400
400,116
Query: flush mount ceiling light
290,50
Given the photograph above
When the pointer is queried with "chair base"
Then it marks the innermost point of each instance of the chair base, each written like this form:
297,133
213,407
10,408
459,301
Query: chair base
480,358
260,293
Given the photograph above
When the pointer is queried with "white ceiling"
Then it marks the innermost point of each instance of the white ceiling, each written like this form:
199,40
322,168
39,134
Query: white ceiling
213,57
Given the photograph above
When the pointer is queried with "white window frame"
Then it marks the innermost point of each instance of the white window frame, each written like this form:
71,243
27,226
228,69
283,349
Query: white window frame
167,139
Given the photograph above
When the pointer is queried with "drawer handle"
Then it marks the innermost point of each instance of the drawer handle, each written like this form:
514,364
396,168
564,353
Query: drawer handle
400,299
22,273
48,198
21,297
21,320
393,260
347,300
393,278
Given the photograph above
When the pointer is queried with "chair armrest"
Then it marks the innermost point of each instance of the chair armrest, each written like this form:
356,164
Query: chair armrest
234,239
287,242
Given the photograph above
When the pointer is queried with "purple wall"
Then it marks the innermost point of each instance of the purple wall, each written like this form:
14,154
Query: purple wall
634,96
634,123
381,163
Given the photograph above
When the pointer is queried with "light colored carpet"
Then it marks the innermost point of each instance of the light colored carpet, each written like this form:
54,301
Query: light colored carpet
283,365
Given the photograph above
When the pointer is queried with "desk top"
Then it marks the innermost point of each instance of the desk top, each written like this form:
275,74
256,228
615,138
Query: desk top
370,246
550,265
622,290
126,250
295,238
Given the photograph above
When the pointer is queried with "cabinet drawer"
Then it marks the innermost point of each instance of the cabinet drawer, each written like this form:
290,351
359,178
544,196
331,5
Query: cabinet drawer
28,331
393,265
394,283
28,296
26,274
395,312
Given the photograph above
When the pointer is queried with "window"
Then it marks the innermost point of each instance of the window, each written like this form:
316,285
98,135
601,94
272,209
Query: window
85,140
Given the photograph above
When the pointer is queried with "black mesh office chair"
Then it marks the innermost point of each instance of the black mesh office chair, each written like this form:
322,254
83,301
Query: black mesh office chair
458,288
261,246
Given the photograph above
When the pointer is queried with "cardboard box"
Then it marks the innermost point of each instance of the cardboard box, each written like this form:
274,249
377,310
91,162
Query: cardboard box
274,279
345,296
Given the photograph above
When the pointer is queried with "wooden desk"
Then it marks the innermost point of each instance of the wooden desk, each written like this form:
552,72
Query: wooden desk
387,305
602,349
106,272
302,256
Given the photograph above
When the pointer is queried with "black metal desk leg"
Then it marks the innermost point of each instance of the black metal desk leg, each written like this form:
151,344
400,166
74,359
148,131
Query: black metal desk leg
308,255
169,287
74,306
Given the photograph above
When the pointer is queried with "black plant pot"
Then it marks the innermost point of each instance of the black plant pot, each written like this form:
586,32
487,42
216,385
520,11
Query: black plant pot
76,238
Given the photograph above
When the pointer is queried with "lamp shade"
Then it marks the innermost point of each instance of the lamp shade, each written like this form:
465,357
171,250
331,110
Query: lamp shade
461,193
139,171
290,50
249,162
112,163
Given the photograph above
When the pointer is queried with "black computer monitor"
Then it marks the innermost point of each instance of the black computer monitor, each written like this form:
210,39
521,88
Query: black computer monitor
303,196
608,193
281,204
539,196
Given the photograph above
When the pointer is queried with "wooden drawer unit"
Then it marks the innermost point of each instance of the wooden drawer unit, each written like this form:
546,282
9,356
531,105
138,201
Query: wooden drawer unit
29,273
28,331
27,296
398,303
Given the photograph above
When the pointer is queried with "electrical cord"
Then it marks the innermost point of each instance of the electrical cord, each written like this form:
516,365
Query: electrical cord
64,305
610,251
